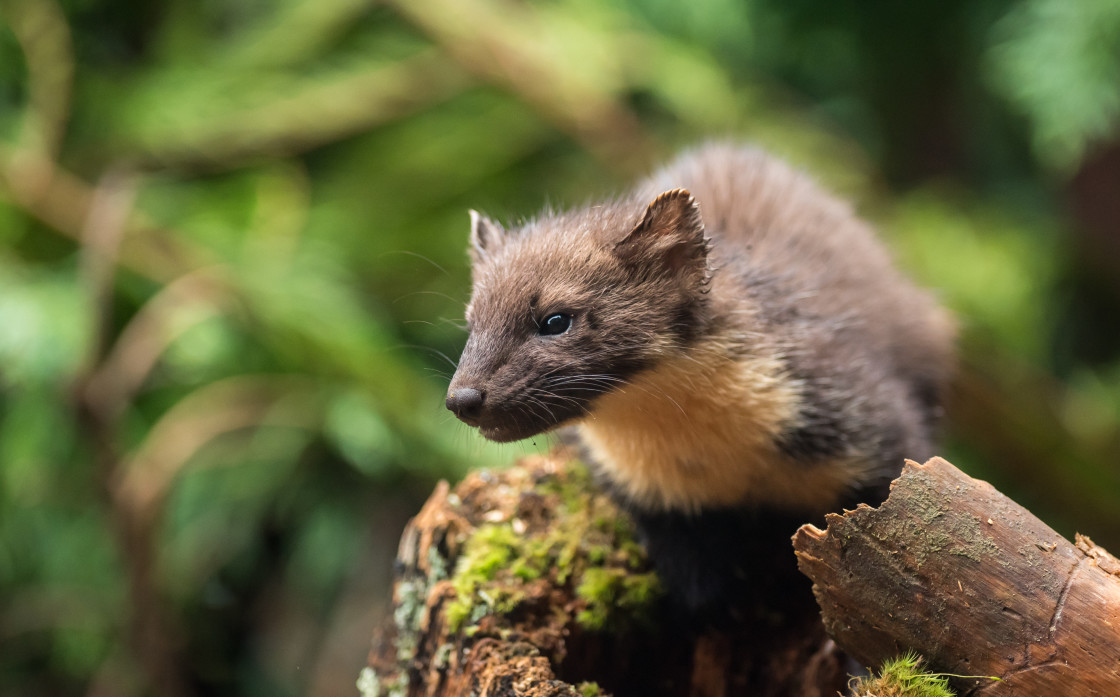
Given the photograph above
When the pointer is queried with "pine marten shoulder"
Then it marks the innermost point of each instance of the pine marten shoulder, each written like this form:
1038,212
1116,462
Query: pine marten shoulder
734,345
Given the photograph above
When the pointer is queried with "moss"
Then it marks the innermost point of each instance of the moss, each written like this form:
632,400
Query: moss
571,535
611,591
573,488
537,554
488,550
597,555
903,677
589,689
456,612
634,554
588,540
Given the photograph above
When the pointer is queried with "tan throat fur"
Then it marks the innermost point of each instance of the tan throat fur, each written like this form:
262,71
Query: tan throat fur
701,430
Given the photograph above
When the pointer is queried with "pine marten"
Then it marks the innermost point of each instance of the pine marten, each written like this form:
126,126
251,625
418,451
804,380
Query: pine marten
734,345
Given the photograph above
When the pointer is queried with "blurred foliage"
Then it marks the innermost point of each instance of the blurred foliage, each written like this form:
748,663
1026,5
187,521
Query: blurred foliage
232,274
1059,62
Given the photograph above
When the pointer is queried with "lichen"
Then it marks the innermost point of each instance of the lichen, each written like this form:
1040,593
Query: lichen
407,615
437,564
369,684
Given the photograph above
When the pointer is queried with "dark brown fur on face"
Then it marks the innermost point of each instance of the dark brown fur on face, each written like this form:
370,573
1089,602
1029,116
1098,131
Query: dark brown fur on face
633,278
739,342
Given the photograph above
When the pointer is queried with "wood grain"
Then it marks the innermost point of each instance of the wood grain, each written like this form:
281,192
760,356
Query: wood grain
953,569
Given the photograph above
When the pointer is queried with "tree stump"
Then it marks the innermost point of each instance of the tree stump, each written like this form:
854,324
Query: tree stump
528,581
954,570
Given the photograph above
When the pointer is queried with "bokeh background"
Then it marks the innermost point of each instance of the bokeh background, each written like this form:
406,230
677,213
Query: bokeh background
232,274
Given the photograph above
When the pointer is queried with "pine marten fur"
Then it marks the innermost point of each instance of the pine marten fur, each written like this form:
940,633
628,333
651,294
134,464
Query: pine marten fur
735,347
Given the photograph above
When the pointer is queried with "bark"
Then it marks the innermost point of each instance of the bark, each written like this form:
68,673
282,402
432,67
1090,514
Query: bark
529,582
952,569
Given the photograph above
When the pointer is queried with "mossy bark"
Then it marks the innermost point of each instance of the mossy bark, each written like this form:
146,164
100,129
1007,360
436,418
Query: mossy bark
954,570
528,581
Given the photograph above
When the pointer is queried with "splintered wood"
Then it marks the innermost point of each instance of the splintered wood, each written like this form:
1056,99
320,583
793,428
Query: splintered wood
954,570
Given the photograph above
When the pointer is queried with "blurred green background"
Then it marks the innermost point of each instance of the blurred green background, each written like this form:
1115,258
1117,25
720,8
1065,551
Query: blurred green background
232,274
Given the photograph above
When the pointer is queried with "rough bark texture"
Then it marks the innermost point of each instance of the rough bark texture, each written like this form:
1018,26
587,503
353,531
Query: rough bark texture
529,582
954,570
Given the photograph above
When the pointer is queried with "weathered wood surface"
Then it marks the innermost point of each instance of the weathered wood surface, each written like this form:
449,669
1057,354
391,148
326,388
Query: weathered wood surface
564,601
953,569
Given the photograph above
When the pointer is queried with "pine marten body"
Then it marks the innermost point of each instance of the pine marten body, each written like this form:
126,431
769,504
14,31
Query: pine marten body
734,345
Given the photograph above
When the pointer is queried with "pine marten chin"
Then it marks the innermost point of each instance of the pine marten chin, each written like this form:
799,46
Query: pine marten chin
729,339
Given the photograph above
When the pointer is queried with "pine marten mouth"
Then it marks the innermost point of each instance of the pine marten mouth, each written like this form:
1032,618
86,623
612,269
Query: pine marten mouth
507,432
509,420
511,425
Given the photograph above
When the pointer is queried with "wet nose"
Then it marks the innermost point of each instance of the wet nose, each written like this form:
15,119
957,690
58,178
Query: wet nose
465,402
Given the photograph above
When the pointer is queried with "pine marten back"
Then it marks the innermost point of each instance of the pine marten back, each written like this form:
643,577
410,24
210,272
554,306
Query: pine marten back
735,346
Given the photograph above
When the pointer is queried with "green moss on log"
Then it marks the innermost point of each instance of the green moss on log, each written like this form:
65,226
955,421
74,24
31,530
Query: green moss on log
587,543
611,592
903,677
589,689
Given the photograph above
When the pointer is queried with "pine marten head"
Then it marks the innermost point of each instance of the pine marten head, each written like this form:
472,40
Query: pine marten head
568,307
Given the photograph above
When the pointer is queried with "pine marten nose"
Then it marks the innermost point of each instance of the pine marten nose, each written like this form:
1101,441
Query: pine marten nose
465,402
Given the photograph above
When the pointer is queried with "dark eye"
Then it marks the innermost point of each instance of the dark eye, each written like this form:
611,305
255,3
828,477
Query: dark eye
555,324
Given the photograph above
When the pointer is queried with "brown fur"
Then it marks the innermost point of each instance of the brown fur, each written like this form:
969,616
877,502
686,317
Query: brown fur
738,336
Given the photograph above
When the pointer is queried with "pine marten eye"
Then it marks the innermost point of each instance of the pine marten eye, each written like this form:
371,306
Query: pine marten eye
555,324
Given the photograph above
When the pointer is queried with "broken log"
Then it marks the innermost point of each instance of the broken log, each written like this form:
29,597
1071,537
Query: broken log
954,570
529,582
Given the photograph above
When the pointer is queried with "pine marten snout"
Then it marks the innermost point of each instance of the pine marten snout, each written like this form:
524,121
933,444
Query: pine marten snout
734,345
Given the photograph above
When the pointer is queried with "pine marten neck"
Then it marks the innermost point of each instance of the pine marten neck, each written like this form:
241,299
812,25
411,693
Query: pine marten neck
724,335
699,432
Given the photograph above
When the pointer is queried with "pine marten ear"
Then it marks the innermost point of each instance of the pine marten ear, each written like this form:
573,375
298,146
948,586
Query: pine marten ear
486,236
670,238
